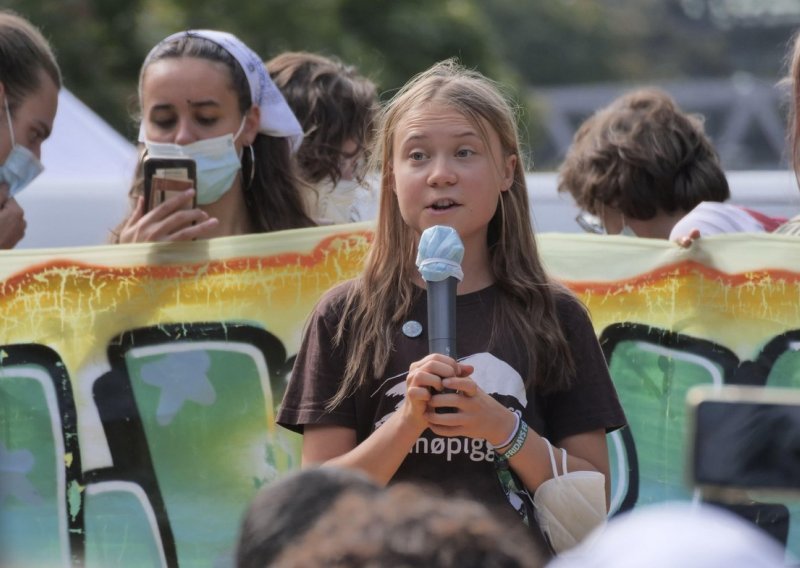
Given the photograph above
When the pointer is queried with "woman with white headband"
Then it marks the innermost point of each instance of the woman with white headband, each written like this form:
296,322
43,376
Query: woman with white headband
205,95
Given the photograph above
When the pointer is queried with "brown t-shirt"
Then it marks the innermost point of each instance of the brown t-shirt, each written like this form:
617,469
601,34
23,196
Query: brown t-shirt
457,465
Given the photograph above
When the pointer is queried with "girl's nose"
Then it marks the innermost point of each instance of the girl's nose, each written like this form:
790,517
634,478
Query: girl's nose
442,174
184,134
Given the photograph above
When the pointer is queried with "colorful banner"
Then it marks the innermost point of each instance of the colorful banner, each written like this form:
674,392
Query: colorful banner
138,383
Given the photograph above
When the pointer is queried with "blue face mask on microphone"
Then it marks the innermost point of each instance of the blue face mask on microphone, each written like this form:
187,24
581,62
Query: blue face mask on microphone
21,166
216,160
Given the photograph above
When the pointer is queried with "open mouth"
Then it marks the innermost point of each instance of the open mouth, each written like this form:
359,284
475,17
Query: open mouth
443,204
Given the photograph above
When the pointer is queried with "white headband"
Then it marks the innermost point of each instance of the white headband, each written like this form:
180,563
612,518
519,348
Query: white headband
277,119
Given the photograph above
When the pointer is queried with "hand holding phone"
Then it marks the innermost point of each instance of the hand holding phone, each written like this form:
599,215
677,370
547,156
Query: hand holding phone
165,177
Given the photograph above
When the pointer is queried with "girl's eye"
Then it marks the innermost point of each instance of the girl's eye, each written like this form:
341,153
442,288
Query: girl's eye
37,137
207,120
417,156
163,123
465,153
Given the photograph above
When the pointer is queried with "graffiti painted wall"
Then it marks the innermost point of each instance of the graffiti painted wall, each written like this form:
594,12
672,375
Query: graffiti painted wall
138,384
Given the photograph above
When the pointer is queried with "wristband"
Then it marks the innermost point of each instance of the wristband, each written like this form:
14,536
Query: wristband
519,440
511,436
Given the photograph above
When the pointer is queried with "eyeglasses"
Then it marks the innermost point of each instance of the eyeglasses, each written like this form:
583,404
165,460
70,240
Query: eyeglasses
590,223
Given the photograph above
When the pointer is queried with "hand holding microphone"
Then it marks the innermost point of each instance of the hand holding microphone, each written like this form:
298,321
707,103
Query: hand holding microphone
439,257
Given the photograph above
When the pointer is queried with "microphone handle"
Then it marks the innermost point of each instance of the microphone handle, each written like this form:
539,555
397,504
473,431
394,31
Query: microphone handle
442,317
442,323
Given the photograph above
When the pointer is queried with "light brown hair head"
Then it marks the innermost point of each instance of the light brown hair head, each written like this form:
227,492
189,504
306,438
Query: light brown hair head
527,305
24,55
641,154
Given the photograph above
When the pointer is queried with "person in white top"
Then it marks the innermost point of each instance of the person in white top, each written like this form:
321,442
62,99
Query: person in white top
336,107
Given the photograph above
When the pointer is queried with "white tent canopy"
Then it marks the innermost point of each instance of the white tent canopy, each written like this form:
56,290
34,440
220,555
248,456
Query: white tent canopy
83,190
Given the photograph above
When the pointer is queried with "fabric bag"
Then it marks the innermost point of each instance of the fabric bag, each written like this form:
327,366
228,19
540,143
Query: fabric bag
569,506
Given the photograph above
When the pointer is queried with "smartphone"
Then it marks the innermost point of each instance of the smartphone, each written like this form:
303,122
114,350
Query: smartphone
744,442
163,177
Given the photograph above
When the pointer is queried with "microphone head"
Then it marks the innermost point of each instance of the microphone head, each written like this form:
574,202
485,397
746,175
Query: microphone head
440,253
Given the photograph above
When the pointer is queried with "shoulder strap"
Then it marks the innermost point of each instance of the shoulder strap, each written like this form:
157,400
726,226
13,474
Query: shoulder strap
552,457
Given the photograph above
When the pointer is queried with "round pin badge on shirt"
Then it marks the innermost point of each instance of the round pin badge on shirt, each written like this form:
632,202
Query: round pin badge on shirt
412,328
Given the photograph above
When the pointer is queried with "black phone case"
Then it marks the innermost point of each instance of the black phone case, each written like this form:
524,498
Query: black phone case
150,165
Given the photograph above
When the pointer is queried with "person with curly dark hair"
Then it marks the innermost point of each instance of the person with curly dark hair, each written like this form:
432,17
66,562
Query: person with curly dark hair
336,106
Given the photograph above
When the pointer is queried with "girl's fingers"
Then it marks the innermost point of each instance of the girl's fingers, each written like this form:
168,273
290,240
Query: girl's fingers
197,231
441,369
418,394
433,357
449,423
687,240
136,214
138,211
170,228
463,385
169,221
420,378
183,200
447,400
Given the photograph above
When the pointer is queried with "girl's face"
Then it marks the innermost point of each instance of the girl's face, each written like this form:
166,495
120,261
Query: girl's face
186,99
32,120
349,162
446,174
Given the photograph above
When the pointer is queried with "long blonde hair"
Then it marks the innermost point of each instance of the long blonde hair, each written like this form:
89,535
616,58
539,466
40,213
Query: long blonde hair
527,307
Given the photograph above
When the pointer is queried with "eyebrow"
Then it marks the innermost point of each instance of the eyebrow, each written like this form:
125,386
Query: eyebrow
206,103
464,134
194,104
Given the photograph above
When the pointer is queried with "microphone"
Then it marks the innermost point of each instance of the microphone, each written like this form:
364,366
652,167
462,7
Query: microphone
439,257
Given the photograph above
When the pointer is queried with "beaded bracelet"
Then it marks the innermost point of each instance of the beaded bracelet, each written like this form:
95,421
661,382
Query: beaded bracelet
519,440
514,432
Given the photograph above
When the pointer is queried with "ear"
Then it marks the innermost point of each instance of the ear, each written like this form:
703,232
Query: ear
252,122
509,167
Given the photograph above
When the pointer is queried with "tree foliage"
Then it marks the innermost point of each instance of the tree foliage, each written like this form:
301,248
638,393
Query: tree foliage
101,43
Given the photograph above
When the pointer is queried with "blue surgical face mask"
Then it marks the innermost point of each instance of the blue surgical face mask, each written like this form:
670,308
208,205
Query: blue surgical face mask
216,160
21,166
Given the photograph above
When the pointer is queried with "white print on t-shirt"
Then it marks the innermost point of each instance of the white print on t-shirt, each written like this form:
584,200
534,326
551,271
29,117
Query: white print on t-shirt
496,378
474,448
